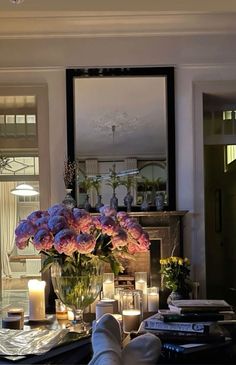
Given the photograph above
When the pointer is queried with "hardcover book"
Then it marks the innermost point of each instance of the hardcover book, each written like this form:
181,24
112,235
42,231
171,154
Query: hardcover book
196,327
199,305
169,316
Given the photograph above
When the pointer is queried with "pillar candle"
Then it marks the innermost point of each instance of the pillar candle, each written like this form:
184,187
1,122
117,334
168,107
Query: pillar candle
153,299
108,286
131,320
141,284
102,308
36,300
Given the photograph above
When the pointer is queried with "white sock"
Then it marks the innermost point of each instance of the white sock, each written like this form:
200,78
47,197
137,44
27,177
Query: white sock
106,342
142,350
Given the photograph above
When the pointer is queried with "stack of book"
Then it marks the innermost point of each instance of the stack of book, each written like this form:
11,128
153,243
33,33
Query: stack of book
190,322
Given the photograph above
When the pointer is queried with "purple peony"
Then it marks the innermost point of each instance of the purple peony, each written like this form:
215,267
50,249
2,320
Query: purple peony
65,241
22,242
43,239
85,243
34,216
108,225
120,239
135,230
82,221
42,222
56,223
107,211
25,228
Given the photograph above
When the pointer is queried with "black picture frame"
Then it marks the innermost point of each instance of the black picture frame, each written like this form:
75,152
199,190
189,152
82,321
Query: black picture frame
167,72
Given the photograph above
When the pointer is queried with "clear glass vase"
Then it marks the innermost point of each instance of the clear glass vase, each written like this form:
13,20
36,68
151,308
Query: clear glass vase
77,290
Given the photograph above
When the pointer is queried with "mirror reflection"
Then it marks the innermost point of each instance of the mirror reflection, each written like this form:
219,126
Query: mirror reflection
120,134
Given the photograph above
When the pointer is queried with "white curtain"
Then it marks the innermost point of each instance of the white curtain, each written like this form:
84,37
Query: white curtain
8,220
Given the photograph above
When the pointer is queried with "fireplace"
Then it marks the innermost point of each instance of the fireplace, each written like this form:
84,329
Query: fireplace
165,232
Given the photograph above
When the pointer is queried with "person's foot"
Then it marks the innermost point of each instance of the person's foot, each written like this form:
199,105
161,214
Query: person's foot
106,342
142,350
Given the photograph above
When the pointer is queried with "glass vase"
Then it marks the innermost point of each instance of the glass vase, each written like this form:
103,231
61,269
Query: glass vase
128,200
77,290
69,201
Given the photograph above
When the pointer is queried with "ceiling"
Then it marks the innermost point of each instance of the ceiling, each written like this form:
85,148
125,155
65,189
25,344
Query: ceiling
121,5
136,106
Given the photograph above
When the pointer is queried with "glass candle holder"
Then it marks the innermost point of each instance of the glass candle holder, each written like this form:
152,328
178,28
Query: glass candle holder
153,299
108,286
141,284
131,309
61,310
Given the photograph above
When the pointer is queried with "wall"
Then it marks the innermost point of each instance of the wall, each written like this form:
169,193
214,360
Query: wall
196,58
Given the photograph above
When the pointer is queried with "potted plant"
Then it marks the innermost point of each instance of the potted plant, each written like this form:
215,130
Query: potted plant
175,273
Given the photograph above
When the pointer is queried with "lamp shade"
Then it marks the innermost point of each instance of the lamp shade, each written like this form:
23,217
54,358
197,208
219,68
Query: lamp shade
24,190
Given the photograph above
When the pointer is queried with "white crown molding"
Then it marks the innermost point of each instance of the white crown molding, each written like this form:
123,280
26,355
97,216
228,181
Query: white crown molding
32,25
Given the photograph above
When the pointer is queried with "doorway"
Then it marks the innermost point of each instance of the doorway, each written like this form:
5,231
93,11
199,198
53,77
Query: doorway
220,196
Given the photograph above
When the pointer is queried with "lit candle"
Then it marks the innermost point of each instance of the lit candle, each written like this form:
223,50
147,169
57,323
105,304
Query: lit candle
17,312
153,299
108,286
113,302
131,320
102,308
141,284
36,299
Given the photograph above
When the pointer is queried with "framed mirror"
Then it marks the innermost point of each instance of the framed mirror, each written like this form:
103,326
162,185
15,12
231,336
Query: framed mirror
123,119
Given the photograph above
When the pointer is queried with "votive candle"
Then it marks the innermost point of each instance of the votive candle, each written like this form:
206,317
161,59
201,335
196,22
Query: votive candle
131,320
36,299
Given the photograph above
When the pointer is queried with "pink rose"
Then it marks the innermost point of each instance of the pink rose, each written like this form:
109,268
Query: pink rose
85,243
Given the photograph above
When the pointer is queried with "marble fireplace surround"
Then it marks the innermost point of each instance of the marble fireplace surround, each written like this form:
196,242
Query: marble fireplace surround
165,232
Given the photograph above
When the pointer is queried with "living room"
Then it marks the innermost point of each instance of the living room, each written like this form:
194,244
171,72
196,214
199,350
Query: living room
39,41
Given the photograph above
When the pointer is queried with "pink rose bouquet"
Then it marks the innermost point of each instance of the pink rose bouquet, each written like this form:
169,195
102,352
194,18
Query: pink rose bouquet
75,237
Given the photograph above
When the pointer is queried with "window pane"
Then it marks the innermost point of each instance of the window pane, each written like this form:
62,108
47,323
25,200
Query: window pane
1,119
31,119
10,119
20,119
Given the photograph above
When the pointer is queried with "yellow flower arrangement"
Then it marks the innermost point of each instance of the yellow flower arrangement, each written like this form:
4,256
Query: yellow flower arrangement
176,273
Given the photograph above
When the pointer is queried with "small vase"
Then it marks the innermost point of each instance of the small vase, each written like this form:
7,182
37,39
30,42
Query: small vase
87,205
128,200
69,201
159,201
145,205
114,201
99,203
177,295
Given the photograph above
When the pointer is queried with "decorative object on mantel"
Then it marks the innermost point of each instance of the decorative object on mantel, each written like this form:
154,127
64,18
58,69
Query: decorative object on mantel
96,183
175,272
69,178
76,245
159,201
128,182
114,181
